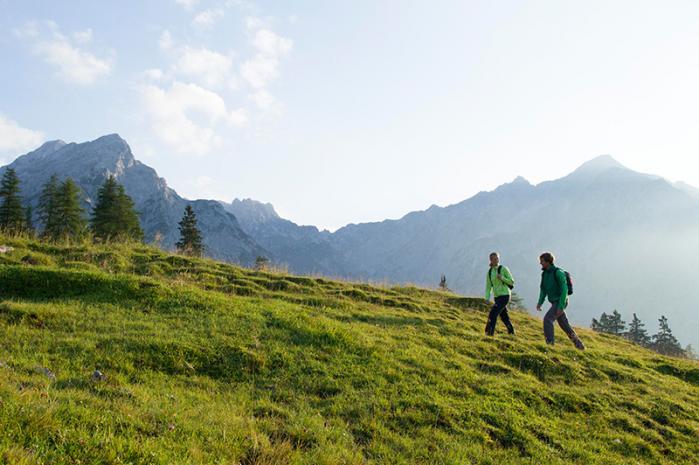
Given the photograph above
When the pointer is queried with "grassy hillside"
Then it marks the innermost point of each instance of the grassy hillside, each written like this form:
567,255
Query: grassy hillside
209,363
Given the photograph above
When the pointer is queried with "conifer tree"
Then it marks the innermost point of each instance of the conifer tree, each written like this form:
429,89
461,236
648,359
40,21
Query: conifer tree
47,207
664,342
114,216
70,223
190,242
443,283
12,213
637,332
610,324
28,222
261,263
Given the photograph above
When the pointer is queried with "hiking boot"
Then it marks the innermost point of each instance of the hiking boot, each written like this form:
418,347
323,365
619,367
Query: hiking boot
578,343
511,330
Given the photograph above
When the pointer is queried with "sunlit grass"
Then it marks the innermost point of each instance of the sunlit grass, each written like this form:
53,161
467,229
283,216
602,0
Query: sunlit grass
211,363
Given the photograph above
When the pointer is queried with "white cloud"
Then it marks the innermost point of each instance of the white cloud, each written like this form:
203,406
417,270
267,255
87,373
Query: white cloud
266,102
187,4
83,37
16,139
238,117
185,116
71,62
262,69
29,30
154,74
270,44
205,66
165,42
207,18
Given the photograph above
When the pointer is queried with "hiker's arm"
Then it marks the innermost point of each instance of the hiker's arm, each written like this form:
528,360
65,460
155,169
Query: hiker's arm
506,276
487,287
563,301
542,294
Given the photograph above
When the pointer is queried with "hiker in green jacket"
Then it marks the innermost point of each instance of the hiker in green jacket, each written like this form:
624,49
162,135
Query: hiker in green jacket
554,285
499,281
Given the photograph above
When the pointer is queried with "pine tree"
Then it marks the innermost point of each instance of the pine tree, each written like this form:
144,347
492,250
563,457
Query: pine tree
517,302
114,216
28,222
190,242
261,263
601,326
637,332
664,342
12,214
70,223
609,324
616,324
47,207
130,225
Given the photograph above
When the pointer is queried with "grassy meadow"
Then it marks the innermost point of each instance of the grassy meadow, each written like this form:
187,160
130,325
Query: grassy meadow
209,363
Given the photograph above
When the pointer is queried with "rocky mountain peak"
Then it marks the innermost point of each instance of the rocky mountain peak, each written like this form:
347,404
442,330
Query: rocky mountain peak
598,165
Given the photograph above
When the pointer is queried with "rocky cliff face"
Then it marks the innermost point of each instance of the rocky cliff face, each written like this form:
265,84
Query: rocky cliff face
159,207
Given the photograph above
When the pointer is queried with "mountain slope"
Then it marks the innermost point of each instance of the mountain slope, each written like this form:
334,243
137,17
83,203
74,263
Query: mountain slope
159,207
629,239
209,363
303,248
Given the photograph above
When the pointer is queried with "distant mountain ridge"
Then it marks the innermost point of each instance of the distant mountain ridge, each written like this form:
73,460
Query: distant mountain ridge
160,207
630,239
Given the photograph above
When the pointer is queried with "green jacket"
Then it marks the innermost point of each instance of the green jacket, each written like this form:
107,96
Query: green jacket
555,286
498,286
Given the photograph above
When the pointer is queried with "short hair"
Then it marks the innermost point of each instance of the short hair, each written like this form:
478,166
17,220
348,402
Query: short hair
494,254
547,257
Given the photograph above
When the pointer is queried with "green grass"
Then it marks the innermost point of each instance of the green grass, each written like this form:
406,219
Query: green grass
210,363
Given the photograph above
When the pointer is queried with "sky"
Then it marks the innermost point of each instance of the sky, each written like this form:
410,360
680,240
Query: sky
346,112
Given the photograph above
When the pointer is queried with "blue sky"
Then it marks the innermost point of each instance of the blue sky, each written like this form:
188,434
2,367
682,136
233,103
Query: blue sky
340,112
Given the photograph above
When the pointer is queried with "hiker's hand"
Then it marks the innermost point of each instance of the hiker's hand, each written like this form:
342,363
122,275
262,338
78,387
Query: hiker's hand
538,307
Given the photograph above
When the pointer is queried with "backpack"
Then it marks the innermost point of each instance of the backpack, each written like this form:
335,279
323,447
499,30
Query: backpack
569,280
511,286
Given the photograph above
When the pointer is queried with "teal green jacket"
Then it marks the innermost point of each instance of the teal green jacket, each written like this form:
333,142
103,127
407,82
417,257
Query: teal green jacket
554,286
498,286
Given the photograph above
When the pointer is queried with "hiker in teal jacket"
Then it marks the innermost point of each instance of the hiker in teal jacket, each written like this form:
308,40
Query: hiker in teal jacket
499,281
554,285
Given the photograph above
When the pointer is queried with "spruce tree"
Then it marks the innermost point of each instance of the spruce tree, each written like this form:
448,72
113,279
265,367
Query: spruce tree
130,224
12,213
616,324
47,207
637,332
609,324
70,223
664,342
28,222
601,325
190,242
114,216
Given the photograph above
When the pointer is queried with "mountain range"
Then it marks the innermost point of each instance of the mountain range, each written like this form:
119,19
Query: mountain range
629,239
160,207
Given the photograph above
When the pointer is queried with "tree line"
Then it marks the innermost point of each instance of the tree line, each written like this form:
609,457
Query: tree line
113,218
663,342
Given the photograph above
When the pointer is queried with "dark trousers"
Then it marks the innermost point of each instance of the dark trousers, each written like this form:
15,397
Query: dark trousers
553,315
499,309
